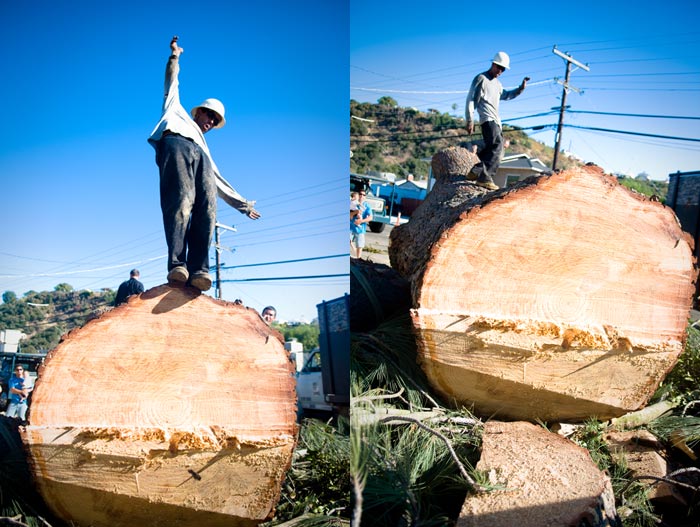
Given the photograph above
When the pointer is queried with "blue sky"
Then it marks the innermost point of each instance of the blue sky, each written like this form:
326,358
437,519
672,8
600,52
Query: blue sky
82,89
644,58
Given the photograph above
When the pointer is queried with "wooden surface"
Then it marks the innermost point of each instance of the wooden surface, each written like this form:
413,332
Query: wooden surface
172,409
562,297
543,480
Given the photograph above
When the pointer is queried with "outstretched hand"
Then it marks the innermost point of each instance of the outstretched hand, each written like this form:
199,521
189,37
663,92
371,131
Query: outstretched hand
176,50
252,213
524,83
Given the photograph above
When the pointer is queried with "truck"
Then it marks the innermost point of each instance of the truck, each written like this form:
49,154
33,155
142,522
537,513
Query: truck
323,384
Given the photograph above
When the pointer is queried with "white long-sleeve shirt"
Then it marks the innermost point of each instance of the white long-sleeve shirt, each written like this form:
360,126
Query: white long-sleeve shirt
176,120
485,94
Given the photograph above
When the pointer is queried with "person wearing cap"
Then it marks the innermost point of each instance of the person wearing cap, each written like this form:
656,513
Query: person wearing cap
132,286
485,93
190,180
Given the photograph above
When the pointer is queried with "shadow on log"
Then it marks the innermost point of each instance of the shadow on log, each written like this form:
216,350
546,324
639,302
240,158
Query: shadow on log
559,298
172,409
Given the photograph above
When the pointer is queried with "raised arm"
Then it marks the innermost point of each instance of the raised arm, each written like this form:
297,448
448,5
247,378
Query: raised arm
171,72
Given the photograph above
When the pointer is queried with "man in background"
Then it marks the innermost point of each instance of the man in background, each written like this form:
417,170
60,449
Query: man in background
132,286
269,314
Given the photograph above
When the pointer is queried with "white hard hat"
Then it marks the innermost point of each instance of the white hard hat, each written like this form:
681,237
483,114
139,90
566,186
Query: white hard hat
215,105
502,59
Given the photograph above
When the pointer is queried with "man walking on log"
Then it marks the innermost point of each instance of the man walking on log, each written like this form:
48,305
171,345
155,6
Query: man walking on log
485,93
190,180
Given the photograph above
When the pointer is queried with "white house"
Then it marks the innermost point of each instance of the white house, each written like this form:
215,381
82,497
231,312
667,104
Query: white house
517,167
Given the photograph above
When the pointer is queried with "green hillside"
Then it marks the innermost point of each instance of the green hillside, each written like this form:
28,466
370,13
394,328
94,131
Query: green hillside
47,315
388,138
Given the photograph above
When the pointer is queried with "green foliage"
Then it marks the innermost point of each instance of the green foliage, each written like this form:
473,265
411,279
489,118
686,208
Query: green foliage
682,382
403,474
57,312
631,493
387,101
648,188
307,334
318,481
8,297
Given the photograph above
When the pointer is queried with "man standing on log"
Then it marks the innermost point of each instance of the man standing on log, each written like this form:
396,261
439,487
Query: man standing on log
190,180
485,93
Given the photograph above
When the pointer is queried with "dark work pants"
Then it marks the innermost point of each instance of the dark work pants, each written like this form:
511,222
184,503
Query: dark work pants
188,202
490,155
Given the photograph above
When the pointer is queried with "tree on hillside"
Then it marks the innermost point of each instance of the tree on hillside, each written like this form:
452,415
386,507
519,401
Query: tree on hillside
387,101
8,297
63,287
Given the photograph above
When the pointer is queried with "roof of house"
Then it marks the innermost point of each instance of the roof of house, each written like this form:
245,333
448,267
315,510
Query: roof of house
407,185
523,162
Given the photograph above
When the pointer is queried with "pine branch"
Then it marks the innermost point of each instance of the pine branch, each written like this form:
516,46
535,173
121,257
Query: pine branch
475,486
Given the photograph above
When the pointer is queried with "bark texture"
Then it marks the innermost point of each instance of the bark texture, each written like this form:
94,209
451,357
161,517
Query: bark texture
546,480
172,409
559,298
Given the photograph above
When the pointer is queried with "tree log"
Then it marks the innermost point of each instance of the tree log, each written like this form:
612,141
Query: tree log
545,480
559,298
172,409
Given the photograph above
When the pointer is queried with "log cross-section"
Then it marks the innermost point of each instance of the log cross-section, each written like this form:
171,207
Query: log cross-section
562,297
173,409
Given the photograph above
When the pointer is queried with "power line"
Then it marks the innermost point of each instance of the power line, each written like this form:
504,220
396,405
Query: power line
633,133
287,261
632,115
286,278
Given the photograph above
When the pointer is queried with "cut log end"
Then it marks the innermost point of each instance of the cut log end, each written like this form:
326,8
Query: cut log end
563,297
174,405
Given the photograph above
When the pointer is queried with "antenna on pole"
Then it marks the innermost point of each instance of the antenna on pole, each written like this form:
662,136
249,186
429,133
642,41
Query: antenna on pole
569,61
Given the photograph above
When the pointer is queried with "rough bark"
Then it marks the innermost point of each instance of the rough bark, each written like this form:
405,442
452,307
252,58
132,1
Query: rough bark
559,298
173,409
544,479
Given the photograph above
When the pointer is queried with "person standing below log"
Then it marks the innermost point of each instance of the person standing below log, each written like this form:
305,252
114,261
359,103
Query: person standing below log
190,180
359,226
132,286
269,314
485,93
18,395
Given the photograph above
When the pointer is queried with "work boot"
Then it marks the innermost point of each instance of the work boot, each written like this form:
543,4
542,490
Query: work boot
201,281
487,184
475,172
178,274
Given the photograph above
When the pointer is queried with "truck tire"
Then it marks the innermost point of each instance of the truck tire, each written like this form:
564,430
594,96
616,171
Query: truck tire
376,226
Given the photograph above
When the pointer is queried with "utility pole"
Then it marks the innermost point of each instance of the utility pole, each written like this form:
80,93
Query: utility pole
569,60
218,247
